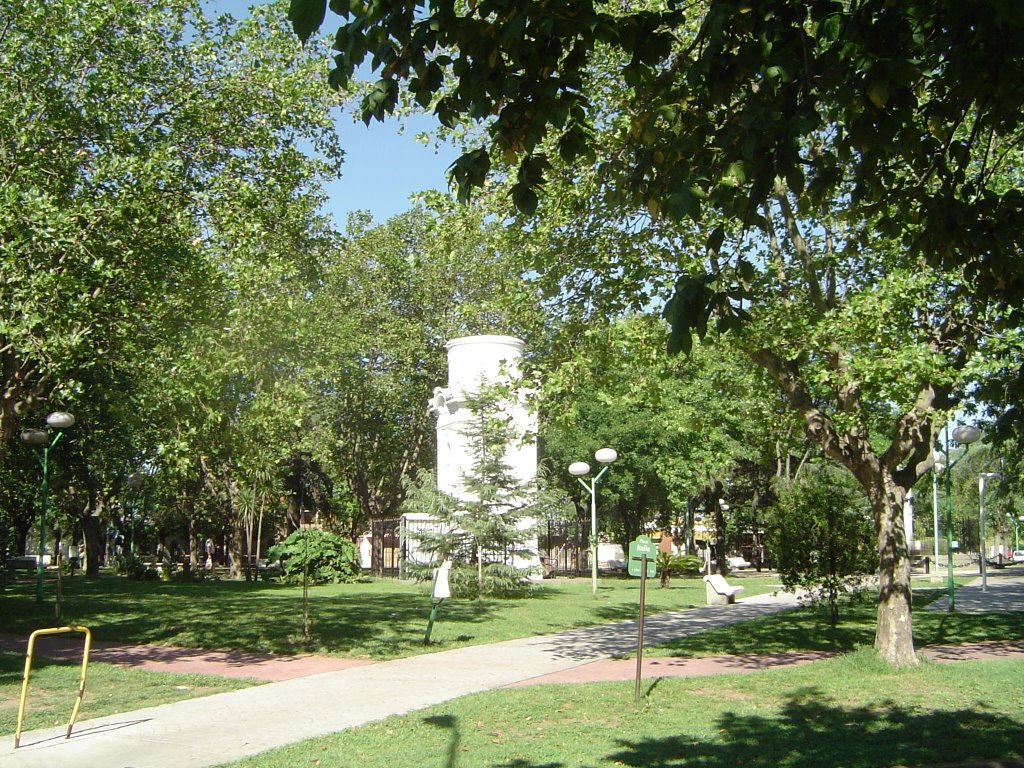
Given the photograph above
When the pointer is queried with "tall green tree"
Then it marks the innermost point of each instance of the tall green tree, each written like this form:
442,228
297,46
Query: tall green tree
866,345
124,126
160,171
372,338
682,425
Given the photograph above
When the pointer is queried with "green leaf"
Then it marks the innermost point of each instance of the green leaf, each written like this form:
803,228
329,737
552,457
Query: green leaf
716,238
525,199
306,17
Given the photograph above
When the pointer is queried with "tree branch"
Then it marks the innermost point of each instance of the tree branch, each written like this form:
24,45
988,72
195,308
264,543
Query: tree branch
851,449
800,247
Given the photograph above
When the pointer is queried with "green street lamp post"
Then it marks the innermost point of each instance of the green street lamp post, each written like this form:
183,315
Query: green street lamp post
134,481
964,435
578,469
39,440
936,469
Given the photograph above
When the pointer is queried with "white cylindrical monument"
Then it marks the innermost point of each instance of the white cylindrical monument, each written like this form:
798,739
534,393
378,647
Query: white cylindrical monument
474,361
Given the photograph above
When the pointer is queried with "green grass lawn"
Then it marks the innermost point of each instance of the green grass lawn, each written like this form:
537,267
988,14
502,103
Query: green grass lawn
849,711
108,690
381,619
807,629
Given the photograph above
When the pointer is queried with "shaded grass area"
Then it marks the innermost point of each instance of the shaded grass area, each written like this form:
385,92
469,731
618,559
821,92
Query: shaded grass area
808,629
374,619
850,711
109,690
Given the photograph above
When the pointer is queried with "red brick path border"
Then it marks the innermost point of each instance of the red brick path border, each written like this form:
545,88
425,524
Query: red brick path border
272,668
159,658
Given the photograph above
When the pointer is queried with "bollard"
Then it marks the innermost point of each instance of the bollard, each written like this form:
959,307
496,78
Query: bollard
28,669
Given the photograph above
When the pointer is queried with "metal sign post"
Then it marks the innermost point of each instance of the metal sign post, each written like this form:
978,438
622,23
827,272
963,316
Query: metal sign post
641,563
640,628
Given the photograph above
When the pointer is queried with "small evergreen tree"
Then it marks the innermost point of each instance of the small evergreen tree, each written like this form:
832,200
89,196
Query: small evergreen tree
822,537
481,529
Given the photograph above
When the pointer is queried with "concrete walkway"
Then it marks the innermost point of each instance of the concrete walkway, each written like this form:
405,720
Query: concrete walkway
1004,588
229,726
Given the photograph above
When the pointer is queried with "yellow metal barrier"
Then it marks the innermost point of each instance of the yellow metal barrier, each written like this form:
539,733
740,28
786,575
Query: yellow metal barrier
28,668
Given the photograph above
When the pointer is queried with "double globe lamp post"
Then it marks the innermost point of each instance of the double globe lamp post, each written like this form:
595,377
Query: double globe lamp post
578,469
39,440
964,435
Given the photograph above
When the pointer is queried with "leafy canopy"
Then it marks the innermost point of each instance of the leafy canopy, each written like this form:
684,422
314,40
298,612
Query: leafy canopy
920,99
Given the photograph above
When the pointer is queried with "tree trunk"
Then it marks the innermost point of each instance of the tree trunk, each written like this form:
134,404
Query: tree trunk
92,532
292,517
194,560
911,447
894,637
713,511
259,536
21,538
236,569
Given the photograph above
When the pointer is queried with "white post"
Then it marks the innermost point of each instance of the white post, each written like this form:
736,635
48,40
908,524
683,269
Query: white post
981,533
593,536
935,522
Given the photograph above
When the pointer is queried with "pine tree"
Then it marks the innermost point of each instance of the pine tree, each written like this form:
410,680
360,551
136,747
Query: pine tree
480,528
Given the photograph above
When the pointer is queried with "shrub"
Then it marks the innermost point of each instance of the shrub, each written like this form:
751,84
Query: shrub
330,559
670,565
823,537
132,567
499,580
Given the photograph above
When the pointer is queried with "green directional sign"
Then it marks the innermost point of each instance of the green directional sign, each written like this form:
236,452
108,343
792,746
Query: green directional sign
637,549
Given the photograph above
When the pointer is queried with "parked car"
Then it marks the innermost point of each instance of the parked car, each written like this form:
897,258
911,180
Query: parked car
737,563
1018,556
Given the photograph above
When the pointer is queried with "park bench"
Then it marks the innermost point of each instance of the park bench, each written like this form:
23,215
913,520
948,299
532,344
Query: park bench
21,563
718,590
26,562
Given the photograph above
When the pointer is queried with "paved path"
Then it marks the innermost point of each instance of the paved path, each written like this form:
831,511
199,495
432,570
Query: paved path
229,726
1005,587
161,658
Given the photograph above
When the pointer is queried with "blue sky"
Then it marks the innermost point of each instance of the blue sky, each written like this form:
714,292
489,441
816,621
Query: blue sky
383,165
382,168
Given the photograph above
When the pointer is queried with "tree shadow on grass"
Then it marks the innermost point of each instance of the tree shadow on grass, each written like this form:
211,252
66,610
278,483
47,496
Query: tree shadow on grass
260,617
810,732
12,667
939,627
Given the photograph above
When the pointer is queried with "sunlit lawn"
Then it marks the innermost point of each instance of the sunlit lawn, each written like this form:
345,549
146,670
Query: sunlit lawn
850,711
374,619
807,629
